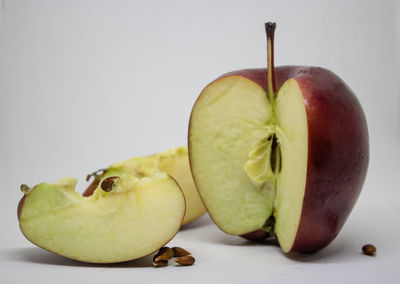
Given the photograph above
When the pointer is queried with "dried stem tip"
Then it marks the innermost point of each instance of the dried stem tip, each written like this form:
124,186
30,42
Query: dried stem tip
25,189
270,29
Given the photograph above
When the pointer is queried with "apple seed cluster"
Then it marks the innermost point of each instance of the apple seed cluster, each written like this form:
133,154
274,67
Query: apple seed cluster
182,257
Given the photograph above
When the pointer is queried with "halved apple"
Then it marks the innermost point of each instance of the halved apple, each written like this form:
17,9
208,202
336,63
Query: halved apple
289,163
174,162
134,218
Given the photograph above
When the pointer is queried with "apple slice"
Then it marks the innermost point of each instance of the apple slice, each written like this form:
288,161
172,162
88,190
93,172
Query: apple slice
134,218
287,163
174,162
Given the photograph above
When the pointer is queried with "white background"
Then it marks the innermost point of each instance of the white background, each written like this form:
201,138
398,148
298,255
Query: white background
86,83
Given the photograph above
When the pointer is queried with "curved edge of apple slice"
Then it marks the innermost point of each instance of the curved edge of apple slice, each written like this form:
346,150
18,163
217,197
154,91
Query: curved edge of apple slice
81,228
292,134
175,162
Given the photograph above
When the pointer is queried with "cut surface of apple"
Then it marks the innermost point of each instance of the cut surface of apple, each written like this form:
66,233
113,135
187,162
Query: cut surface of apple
135,218
246,194
290,162
174,162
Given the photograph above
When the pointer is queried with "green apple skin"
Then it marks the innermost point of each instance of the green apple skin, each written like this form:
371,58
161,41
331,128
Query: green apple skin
338,152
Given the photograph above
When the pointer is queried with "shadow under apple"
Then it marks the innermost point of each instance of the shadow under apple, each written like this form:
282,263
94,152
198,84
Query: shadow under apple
40,256
337,251
201,222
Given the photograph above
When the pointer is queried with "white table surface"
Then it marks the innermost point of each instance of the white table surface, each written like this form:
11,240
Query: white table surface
229,259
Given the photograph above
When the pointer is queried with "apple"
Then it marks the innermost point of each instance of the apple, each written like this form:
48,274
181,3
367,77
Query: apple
289,163
124,219
174,162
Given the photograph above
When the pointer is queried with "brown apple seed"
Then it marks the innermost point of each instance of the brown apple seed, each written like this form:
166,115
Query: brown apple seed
108,183
369,249
178,252
160,263
164,254
185,260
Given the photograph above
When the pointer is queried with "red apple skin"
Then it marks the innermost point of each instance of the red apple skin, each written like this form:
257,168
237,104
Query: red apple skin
20,206
338,151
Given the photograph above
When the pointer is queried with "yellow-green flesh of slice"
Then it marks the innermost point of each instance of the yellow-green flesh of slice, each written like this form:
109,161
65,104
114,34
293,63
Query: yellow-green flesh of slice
174,162
135,219
230,141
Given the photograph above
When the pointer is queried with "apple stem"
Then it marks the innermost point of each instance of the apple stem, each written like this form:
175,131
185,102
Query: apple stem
271,89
